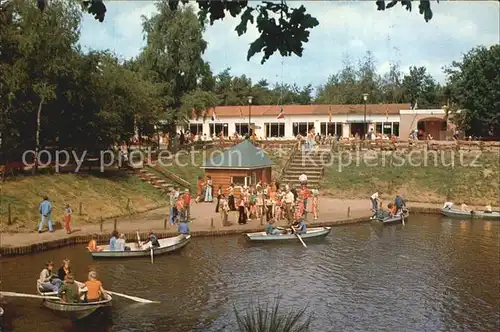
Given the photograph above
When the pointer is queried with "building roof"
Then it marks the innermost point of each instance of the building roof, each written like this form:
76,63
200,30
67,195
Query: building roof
274,110
241,156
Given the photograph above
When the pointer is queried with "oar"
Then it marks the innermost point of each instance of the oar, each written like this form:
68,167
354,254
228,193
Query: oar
402,218
133,298
12,294
298,236
151,254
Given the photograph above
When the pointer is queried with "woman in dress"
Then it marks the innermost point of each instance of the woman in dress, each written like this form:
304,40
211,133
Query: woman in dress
208,189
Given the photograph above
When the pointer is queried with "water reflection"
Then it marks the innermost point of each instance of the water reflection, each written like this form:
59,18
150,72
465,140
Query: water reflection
431,274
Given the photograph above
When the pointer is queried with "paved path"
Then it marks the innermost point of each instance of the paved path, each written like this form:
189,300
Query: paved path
330,209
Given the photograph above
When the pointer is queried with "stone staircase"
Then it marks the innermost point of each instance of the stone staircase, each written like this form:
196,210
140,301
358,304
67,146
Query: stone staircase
155,180
309,163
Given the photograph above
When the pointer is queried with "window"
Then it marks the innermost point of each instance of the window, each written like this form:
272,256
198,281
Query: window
240,180
196,128
378,128
387,128
302,128
242,128
395,128
275,130
217,128
333,128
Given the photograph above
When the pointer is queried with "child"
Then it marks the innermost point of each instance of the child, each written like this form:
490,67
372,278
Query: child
67,218
224,210
70,292
187,202
315,205
269,208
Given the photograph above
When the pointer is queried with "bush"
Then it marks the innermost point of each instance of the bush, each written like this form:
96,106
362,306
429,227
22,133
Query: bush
257,318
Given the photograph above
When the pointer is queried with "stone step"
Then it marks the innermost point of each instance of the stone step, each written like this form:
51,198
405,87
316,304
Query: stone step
294,179
159,181
166,185
143,171
304,170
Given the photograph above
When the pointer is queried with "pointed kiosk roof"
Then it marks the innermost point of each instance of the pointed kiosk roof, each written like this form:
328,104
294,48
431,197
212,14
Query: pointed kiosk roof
241,156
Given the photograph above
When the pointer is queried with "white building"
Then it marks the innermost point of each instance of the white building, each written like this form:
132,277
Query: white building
340,120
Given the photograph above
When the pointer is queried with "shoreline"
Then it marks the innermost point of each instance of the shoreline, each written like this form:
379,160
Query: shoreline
41,245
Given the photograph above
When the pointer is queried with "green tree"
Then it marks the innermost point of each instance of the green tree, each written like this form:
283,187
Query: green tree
282,28
172,59
31,66
474,89
419,87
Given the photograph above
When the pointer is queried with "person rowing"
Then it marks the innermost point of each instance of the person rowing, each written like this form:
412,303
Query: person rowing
153,239
301,227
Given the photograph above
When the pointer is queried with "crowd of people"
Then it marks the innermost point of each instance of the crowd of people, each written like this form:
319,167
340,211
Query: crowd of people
63,284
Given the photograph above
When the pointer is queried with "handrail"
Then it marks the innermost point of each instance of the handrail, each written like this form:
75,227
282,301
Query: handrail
172,176
289,160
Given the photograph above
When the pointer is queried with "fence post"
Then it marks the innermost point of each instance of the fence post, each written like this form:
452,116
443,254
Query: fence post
128,203
165,223
116,221
9,215
211,222
101,224
80,209
348,211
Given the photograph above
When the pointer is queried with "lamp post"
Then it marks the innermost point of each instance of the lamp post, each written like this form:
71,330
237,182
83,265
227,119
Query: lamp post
249,115
365,131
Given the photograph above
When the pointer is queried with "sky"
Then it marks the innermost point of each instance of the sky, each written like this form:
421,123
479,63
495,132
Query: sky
346,28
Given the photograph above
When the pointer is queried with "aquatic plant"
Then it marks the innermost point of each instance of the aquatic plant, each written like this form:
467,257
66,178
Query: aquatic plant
258,318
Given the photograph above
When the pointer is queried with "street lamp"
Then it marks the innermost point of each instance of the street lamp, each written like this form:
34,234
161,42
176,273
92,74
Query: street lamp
249,115
365,131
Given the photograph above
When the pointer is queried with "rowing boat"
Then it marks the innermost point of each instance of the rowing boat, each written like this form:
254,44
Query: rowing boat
472,214
74,311
398,218
318,232
167,245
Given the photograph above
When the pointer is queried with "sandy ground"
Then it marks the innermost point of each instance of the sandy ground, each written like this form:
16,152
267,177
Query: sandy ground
330,209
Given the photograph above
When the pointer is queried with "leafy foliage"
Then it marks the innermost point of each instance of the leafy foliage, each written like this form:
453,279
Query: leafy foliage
259,318
282,28
474,89
348,85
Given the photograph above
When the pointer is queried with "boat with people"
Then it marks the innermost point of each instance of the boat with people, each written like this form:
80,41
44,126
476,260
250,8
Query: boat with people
315,232
455,213
73,311
138,249
396,218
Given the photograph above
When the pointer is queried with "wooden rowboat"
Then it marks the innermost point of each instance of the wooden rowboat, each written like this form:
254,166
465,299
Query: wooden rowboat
472,214
395,219
167,245
74,311
318,232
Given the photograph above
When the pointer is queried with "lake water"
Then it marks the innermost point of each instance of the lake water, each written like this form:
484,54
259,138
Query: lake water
433,274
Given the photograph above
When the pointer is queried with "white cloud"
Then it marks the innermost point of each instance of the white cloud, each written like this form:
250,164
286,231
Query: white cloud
395,35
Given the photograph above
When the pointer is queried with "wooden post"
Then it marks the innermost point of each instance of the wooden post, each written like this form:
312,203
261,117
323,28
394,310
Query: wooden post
165,223
9,215
114,227
80,209
262,219
211,222
101,224
348,211
128,203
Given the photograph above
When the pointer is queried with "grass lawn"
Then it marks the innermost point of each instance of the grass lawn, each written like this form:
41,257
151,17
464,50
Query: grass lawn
471,180
101,194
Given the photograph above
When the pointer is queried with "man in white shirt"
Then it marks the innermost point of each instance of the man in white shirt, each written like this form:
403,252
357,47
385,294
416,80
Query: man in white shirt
289,201
448,205
375,201
303,178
